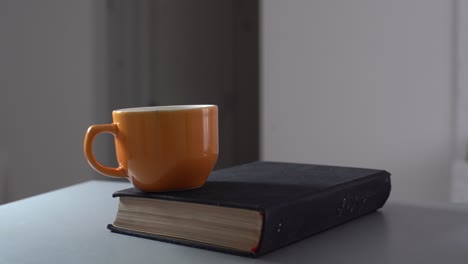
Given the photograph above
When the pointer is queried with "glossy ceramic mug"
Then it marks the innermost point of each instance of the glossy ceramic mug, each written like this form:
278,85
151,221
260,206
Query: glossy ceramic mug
160,148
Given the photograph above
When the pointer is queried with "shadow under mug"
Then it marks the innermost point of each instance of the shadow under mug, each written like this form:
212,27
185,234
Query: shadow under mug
160,148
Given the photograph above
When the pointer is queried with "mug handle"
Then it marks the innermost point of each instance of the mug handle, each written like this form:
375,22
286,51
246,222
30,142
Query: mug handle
92,132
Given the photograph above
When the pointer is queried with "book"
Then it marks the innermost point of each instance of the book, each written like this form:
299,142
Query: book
255,208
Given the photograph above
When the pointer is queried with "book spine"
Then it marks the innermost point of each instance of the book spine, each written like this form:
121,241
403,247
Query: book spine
288,223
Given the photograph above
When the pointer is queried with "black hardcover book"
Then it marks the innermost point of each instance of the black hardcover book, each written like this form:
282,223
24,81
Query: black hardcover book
254,208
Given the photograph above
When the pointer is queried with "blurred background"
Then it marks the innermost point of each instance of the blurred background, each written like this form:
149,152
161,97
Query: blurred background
378,84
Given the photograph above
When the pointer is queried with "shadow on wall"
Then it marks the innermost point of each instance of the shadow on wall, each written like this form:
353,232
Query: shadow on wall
3,177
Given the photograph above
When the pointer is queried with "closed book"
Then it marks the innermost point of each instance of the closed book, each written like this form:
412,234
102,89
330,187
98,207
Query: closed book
255,208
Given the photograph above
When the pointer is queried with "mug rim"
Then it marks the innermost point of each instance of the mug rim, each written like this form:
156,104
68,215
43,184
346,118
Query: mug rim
162,108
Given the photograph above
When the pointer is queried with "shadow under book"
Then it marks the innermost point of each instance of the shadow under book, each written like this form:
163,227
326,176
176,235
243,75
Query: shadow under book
255,208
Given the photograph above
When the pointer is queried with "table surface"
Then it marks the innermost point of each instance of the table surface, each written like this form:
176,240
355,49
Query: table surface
69,226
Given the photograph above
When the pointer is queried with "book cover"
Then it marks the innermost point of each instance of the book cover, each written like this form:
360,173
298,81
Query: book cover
293,200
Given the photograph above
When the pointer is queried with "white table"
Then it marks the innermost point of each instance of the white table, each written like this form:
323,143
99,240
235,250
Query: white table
69,226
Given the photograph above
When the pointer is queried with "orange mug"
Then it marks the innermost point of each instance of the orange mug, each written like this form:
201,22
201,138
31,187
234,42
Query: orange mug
160,148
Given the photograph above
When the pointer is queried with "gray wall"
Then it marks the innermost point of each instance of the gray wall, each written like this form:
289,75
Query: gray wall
361,83
358,83
48,85
460,163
